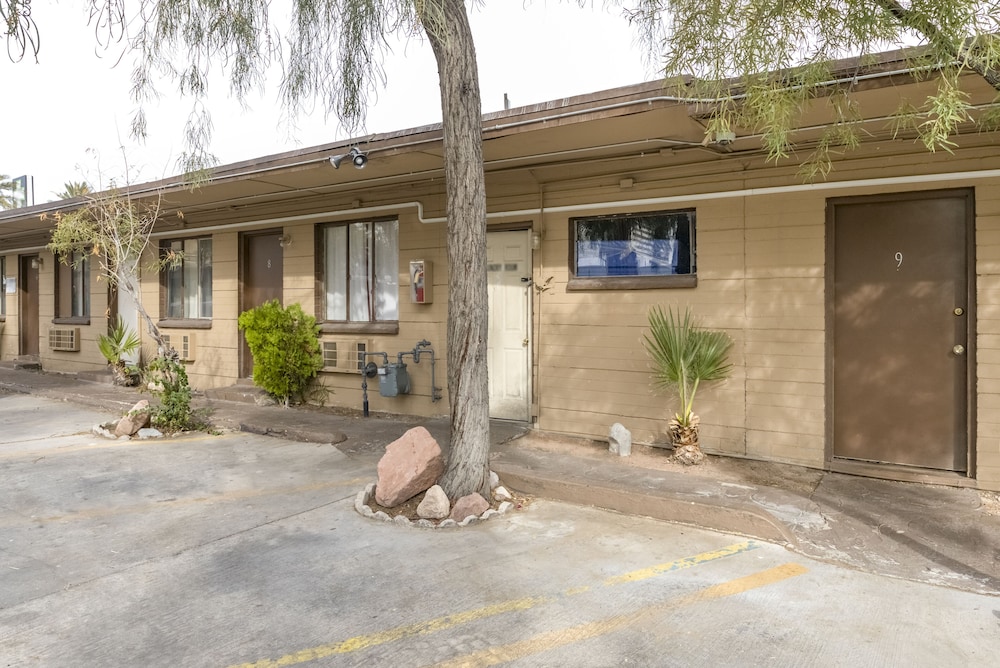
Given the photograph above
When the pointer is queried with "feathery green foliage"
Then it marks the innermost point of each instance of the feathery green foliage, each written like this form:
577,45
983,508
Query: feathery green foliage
759,66
113,228
684,355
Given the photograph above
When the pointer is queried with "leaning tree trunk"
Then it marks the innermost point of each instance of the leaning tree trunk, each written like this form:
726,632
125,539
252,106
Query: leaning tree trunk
468,391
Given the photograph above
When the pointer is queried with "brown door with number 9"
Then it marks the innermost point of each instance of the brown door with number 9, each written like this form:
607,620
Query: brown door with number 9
902,329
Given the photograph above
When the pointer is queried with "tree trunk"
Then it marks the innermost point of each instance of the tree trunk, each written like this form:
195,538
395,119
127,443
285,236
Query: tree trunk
447,28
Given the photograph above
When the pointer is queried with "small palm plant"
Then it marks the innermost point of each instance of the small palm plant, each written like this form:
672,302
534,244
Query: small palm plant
115,346
684,356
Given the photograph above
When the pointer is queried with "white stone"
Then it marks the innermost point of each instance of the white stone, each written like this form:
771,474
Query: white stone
494,480
501,494
149,432
505,506
620,440
435,504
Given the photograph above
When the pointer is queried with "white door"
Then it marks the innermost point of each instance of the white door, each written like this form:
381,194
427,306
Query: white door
508,265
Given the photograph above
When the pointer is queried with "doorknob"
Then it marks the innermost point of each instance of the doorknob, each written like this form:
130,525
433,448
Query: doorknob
959,349
959,310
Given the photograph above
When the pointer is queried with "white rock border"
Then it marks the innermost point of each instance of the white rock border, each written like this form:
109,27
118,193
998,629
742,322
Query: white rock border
365,496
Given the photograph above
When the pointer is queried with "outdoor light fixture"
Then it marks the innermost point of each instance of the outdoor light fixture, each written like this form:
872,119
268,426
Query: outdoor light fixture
285,240
536,240
36,263
357,158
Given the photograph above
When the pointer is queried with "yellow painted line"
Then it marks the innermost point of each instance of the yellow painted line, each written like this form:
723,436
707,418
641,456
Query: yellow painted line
96,513
563,637
679,564
442,623
422,628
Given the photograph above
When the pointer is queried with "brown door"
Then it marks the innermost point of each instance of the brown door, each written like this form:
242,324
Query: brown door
901,329
27,305
263,273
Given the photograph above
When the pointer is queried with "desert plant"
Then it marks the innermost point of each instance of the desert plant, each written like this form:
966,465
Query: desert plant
284,343
169,381
684,355
118,343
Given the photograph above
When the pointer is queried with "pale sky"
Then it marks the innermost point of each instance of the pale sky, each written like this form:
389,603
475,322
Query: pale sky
66,117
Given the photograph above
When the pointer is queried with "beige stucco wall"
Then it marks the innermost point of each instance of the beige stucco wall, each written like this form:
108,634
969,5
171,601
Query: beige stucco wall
761,278
988,334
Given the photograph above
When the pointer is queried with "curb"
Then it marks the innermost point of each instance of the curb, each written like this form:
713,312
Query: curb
723,515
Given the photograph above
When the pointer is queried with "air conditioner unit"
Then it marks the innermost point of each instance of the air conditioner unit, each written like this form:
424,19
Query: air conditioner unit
345,355
183,344
65,339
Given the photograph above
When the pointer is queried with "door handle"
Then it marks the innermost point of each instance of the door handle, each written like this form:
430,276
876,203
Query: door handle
958,349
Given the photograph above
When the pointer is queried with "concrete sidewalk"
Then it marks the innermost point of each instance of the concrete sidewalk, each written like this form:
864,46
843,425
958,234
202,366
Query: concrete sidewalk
939,535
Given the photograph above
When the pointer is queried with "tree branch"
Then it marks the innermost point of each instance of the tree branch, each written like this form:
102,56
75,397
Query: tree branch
963,52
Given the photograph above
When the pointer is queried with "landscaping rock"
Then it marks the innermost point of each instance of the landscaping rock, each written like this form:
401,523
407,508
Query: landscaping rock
471,504
149,432
501,494
620,440
411,464
134,420
435,504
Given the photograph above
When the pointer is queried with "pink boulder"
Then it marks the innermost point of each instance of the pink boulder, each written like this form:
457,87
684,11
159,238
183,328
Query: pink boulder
471,504
134,420
410,465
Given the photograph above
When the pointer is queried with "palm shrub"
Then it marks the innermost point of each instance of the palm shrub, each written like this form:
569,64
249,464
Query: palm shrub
117,344
284,343
683,356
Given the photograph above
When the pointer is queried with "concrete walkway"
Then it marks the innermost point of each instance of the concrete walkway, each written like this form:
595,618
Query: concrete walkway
939,535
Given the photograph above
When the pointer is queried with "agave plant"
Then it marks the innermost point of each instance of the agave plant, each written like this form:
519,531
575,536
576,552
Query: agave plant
684,355
115,346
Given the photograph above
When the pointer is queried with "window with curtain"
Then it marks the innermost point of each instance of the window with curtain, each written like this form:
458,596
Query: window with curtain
361,271
187,279
73,281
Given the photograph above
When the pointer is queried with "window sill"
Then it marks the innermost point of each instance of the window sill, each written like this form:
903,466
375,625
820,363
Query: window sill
359,327
631,282
77,320
185,323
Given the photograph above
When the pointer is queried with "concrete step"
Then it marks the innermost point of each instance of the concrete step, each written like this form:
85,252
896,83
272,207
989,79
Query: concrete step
27,362
104,376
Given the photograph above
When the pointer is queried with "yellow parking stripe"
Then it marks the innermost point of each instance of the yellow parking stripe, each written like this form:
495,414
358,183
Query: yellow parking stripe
562,637
421,628
441,623
653,571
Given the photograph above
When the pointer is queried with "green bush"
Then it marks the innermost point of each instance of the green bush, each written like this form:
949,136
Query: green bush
284,343
169,381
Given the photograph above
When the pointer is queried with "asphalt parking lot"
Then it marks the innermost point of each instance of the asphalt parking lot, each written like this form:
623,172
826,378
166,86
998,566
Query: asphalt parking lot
245,550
